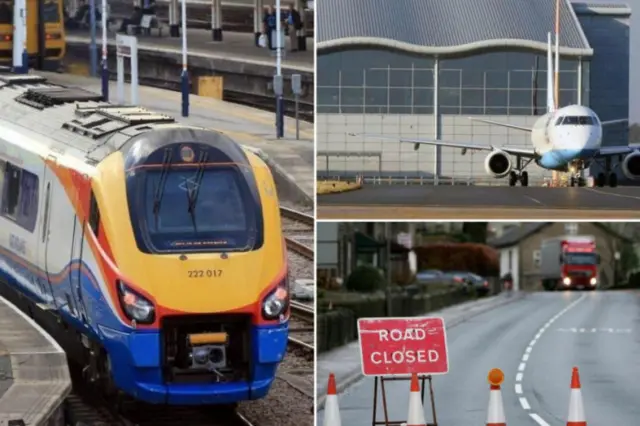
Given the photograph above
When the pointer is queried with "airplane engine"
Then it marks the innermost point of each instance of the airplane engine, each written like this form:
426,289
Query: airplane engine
631,165
498,164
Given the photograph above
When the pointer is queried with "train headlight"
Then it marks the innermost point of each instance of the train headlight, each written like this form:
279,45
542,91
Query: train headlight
135,306
566,281
276,303
593,281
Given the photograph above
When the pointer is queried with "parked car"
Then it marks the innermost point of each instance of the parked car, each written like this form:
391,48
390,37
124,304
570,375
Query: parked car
457,278
429,276
481,284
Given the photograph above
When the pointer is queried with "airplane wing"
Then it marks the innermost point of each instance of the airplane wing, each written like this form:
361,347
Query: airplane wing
607,151
523,152
497,123
608,122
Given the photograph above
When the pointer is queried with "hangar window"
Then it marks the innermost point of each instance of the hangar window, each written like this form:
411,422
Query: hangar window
94,215
20,196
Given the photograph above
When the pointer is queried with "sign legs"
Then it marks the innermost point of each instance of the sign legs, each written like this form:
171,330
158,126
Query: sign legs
386,421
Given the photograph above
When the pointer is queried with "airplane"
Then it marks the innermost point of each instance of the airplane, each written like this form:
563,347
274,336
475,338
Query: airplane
566,139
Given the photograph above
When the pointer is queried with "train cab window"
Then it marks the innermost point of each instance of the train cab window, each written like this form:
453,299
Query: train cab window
216,211
94,215
20,196
50,11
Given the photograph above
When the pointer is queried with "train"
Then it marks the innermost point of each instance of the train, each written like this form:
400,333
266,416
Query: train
46,39
152,251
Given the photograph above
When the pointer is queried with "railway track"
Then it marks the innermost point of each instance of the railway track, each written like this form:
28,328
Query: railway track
307,221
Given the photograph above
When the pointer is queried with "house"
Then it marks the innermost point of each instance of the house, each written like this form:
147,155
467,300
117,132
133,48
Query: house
519,248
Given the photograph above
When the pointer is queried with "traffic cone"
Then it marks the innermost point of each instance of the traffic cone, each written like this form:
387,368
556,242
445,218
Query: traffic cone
576,407
495,413
416,411
331,408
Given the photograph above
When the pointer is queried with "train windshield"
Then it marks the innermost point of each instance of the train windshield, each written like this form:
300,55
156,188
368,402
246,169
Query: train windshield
6,12
580,258
210,210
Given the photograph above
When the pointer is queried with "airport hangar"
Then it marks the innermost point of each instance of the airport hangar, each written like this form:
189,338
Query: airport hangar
379,63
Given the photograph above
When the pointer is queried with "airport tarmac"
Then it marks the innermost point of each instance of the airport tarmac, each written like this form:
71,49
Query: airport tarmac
375,202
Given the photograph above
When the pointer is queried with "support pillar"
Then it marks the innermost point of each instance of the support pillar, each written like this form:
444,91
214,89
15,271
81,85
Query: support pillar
258,12
216,20
437,121
174,26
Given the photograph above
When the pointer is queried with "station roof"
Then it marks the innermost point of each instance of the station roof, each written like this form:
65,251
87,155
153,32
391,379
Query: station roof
448,27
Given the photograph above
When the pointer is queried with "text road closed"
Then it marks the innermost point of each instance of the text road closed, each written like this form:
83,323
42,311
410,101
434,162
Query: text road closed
403,346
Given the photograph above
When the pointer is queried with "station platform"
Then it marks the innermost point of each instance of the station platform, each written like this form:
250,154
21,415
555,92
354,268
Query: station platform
237,47
291,160
34,376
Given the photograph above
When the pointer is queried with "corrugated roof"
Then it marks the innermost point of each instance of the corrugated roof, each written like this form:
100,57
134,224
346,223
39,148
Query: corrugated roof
447,26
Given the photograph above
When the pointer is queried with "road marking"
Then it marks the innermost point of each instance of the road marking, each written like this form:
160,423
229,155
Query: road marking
538,419
615,195
595,330
525,357
534,200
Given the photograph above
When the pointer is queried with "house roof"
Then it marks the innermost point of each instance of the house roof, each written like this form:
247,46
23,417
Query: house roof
448,27
515,235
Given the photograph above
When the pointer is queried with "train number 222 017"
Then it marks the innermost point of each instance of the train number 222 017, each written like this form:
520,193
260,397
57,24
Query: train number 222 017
205,273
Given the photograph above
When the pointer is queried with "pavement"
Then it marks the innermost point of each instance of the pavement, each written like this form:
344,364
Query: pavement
291,160
536,340
481,202
34,377
239,47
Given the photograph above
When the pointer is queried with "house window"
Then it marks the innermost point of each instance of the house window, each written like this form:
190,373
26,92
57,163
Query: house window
536,258
510,265
571,228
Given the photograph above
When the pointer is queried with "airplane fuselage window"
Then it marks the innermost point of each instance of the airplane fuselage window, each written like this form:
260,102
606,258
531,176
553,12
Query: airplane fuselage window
582,120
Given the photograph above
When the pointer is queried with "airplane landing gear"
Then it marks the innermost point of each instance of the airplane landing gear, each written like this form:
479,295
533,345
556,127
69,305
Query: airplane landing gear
577,180
601,180
514,177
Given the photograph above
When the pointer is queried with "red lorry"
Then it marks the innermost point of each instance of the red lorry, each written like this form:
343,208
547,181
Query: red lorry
569,263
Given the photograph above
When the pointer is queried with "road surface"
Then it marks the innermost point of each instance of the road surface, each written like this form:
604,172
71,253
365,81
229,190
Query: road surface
480,202
599,332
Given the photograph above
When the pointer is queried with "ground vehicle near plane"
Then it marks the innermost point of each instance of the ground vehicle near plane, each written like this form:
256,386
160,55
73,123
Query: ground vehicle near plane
46,41
151,250
569,263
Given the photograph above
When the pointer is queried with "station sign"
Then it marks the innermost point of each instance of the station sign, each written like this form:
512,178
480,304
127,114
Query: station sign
403,346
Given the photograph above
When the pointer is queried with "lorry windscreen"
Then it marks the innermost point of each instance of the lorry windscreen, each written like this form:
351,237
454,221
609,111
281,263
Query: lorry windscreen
580,258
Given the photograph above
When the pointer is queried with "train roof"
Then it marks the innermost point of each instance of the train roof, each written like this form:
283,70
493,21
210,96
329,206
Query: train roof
73,121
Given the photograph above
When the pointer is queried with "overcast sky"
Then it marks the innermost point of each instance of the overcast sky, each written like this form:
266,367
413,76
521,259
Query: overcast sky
634,96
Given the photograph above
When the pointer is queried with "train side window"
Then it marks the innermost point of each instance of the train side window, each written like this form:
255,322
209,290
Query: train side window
2,165
11,193
45,221
94,215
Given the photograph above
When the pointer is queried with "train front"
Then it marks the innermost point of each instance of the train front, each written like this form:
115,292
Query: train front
203,286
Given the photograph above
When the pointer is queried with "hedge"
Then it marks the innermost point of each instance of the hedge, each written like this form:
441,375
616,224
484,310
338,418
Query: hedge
473,257
338,326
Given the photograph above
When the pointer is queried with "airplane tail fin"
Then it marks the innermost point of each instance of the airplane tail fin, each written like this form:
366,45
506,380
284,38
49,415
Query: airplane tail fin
551,103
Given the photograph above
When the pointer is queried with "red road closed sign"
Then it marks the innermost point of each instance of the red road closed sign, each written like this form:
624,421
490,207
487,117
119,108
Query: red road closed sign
401,346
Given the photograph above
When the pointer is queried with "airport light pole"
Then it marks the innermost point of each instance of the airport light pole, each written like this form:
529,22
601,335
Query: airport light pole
185,76
93,49
279,100
105,69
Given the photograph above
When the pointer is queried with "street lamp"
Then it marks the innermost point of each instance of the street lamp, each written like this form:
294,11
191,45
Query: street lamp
185,76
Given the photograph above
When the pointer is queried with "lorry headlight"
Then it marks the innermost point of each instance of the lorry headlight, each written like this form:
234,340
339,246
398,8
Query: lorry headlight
593,281
566,280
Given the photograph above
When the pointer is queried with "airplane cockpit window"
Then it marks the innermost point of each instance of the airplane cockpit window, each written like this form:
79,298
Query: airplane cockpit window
582,120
